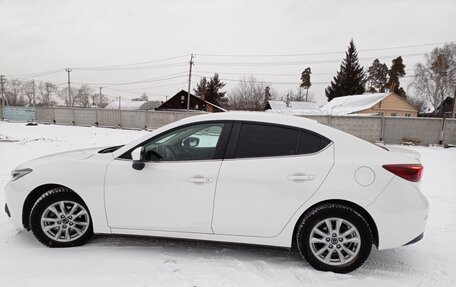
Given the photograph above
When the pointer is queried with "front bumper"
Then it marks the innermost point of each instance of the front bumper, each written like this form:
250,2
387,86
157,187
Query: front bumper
15,195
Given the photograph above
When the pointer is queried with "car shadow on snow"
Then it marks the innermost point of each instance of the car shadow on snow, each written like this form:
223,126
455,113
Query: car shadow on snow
395,263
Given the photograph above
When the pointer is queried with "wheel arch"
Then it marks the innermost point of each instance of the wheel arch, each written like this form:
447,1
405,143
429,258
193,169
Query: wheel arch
350,204
33,196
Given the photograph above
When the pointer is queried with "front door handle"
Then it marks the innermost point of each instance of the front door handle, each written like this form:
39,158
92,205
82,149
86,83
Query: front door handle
199,179
301,177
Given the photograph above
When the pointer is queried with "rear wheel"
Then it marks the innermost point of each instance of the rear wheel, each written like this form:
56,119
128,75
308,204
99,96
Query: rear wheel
334,237
59,218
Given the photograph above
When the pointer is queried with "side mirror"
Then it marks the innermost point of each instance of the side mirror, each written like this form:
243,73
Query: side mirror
191,142
138,158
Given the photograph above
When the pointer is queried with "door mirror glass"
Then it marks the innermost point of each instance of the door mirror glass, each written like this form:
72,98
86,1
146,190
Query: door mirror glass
136,154
191,142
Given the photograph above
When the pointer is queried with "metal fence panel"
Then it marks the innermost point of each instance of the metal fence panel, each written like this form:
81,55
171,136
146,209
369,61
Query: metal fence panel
64,115
133,119
19,114
108,118
45,115
85,117
423,130
450,131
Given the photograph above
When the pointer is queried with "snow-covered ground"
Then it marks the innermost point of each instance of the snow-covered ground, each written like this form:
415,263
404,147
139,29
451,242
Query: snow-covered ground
134,261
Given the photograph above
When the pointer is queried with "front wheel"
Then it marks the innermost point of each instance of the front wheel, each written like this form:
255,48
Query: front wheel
334,237
59,218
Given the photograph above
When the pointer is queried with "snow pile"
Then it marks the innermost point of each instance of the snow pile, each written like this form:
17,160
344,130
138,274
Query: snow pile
140,261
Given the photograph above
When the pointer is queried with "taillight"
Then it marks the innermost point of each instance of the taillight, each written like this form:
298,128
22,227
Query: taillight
411,172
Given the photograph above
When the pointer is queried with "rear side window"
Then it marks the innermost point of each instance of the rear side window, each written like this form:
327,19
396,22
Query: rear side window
310,143
259,140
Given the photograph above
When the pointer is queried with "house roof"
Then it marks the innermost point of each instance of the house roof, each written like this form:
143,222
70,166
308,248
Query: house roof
166,105
133,105
294,107
353,103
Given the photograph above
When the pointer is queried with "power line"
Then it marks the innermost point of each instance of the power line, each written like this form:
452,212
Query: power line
163,66
162,78
322,53
328,61
35,75
279,83
134,64
263,74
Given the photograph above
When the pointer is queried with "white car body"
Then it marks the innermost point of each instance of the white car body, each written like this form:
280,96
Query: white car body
248,200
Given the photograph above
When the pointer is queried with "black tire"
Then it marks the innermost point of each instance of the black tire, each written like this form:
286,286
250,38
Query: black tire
348,215
49,198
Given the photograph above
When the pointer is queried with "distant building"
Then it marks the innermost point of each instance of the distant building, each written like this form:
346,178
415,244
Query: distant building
387,104
293,108
445,109
179,102
133,105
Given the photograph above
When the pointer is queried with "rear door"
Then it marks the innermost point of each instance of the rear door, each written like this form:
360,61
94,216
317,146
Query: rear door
269,171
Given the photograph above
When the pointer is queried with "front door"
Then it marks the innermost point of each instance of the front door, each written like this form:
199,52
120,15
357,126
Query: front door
175,190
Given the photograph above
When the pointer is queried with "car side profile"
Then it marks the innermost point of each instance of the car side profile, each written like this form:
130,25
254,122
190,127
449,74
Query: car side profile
240,177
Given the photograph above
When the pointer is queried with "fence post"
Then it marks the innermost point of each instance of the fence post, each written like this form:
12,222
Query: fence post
442,132
382,129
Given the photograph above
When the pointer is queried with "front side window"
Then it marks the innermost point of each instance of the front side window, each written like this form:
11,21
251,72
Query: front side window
196,142
259,140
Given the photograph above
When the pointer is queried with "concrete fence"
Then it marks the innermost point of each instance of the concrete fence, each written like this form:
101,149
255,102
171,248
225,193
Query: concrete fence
392,130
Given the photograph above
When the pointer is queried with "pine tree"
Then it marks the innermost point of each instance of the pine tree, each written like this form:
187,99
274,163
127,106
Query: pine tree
305,80
201,88
351,79
213,93
397,71
377,77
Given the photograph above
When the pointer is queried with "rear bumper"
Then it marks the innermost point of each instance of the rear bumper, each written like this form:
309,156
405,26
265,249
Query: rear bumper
418,238
400,213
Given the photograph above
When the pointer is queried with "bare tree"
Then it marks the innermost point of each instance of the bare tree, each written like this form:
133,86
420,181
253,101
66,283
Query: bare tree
14,92
46,91
298,95
29,90
84,96
99,100
248,95
435,79
70,99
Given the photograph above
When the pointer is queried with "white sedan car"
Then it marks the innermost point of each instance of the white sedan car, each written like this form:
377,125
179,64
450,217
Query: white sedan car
251,178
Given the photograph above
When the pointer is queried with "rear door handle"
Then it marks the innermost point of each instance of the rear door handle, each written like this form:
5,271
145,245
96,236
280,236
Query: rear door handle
199,179
301,177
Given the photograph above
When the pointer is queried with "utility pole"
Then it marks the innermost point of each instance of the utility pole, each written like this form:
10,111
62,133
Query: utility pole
70,99
100,95
3,95
189,82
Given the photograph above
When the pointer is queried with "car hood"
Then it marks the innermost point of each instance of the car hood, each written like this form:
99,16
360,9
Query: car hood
79,154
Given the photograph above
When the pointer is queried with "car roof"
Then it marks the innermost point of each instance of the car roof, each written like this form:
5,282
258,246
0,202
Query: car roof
253,116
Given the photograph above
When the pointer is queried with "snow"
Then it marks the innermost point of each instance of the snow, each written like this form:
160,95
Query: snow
294,108
133,105
354,103
142,261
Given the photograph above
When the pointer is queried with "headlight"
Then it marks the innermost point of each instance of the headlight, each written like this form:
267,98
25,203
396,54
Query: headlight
18,173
